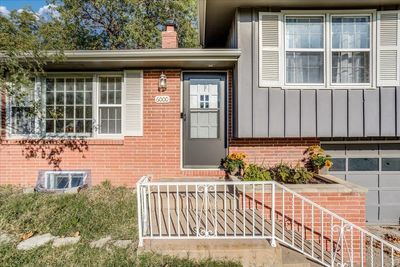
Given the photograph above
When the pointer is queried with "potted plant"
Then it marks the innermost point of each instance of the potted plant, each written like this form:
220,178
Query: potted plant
234,163
318,160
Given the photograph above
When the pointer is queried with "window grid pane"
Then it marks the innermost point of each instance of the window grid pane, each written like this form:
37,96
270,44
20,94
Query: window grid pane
110,120
304,32
350,34
350,67
110,108
22,111
307,34
67,109
305,67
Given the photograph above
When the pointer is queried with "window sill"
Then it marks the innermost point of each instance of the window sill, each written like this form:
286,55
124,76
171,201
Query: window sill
26,140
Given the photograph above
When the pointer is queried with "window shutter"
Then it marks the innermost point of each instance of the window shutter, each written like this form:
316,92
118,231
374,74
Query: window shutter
388,48
133,97
270,28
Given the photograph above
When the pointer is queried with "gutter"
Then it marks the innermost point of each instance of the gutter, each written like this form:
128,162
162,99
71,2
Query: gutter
154,54
178,53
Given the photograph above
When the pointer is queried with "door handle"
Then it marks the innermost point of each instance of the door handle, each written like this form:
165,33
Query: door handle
183,116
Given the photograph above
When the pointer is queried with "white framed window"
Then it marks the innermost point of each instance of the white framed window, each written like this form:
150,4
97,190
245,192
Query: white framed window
94,105
304,49
59,180
68,105
110,105
351,49
317,49
22,112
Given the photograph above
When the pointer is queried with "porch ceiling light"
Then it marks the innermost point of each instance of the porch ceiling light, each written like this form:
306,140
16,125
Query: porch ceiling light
162,83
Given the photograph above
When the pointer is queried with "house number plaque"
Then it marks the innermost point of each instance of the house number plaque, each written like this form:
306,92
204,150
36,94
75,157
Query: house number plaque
162,99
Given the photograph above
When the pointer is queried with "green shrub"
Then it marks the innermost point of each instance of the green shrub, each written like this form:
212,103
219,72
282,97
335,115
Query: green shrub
281,172
284,173
254,172
301,175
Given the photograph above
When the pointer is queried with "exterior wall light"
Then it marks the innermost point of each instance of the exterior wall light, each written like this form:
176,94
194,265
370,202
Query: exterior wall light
162,83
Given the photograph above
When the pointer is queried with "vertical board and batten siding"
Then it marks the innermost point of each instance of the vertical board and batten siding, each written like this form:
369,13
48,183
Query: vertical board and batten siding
133,117
292,109
274,112
245,70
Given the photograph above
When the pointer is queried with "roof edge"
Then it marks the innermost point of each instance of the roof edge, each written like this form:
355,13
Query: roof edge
178,53
153,53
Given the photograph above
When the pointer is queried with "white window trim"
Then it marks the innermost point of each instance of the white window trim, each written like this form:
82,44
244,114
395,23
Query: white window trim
48,174
43,87
286,49
327,44
40,131
97,133
38,127
370,50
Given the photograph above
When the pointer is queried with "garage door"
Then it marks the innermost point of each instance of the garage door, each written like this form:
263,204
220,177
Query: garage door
377,167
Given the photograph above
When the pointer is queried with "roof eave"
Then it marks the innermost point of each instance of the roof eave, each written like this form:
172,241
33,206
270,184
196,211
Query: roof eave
155,58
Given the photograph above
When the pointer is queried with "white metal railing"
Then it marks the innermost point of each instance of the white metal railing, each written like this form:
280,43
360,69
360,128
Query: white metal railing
256,210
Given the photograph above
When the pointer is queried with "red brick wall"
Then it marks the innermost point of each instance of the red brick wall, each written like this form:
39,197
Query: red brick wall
270,151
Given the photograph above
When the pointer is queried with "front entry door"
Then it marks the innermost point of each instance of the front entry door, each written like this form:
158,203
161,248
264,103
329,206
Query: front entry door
203,119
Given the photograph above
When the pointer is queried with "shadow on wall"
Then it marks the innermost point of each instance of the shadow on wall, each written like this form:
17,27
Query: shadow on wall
52,150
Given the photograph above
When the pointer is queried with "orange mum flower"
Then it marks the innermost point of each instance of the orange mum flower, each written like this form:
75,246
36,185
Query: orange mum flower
328,164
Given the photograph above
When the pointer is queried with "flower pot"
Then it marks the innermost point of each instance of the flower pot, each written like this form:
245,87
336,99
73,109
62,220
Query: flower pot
323,170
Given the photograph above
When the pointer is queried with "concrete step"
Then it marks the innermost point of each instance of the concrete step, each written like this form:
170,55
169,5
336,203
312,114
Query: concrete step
296,265
293,258
249,252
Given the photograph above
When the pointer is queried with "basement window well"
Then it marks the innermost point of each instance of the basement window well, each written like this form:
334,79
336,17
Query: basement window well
62,180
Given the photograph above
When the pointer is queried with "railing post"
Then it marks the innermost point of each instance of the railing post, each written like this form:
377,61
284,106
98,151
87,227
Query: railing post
145,210
273,241
139,210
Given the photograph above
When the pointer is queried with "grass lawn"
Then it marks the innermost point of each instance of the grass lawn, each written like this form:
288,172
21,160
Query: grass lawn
94,213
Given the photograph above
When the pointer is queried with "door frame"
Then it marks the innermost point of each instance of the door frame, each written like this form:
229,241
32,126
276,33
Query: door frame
226,122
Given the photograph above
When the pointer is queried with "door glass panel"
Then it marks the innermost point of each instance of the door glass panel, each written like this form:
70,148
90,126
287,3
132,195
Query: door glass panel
204,108
204,125
363,164
339,165
390,164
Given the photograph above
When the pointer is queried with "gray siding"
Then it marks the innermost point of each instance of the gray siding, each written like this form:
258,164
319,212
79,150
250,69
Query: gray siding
274,112
244,82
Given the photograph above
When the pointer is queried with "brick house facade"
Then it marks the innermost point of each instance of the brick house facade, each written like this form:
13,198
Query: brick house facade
122,162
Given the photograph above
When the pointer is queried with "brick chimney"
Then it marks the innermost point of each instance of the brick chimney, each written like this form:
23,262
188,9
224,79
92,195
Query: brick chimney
169,37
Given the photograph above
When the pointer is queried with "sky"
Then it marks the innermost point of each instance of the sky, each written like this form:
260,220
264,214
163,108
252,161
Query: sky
7,5
40,7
